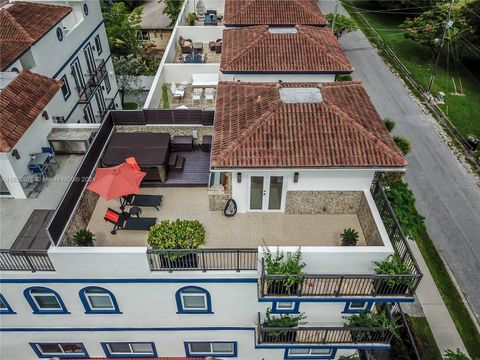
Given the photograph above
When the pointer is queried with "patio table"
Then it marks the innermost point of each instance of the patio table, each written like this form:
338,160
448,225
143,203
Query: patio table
195,59
40,159
205,80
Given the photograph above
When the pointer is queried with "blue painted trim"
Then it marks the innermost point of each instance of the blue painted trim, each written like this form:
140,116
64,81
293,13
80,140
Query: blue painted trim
86,304
295,310
108,354
352,346
67,85
76,355
187,350
286,72
347,309
36,309
308,357
133,281
8,310
87,39
181,310
204,328
337,299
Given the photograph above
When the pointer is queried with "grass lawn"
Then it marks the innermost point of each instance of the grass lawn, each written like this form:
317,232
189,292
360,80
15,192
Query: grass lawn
130,106
424,338
403,203
463,111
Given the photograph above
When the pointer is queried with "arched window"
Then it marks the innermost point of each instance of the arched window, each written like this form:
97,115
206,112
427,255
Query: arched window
193,300
98,300
44,300
5,307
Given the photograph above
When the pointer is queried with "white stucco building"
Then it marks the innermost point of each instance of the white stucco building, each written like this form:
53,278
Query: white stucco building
66,42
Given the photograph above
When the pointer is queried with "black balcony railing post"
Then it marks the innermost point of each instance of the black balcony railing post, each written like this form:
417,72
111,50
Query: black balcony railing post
238,260
204,269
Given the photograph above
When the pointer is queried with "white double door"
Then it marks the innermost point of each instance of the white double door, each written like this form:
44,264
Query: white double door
266,193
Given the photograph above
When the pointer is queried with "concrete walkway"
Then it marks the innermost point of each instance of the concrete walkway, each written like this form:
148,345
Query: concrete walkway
443,328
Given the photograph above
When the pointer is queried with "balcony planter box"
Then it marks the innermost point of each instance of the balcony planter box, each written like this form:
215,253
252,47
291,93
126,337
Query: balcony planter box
187,261
278,287
281,336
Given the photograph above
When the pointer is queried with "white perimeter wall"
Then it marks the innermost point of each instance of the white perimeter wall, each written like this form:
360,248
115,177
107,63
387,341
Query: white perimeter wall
280,77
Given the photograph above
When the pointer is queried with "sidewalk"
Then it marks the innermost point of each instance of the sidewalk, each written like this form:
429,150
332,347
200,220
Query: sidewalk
443,328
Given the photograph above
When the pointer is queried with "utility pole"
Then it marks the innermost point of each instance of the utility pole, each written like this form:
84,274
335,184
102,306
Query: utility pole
448,25
335,15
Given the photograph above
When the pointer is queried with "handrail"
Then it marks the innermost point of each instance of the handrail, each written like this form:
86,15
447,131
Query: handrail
397,309
25,260
202,259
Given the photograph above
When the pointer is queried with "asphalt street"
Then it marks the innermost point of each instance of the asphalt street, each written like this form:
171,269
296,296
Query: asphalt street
446,195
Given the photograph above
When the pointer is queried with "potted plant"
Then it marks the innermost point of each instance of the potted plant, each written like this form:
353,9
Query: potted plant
349,237
83,237
281,321
396,284
191,17
370,320
289,265
175,235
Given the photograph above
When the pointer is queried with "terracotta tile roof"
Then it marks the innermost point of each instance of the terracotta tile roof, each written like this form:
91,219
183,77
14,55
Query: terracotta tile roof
23,24
272,12
257,49
21,101
254,128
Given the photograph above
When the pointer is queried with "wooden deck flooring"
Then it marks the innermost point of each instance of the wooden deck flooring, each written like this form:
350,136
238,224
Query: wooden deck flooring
195,172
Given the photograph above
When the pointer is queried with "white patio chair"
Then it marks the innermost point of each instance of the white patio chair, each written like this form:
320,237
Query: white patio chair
196,95
177,93
209,94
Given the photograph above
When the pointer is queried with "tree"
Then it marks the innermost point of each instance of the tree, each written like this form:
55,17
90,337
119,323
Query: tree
172,9
428,28
123,29
405,4
403,144
343,24
389,124
127,69
470,39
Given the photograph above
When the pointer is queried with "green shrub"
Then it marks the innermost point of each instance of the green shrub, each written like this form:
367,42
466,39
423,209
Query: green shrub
349,357
191,18
166,103
281,264
371,320
83,237
283,320
389,124
457,355
349,237
178,234
394,265
403,144
343,77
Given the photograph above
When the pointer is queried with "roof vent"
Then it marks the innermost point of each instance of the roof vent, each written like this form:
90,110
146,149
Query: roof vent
282,30
301,95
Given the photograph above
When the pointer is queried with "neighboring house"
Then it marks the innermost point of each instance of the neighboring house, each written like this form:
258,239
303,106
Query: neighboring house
155,24
300,53
27,102
66,41
272,12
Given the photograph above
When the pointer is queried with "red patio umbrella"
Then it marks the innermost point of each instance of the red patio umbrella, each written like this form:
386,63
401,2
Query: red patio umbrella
116,181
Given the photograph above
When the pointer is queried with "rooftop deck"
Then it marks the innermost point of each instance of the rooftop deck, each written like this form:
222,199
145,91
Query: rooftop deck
187,100
212,57
242,231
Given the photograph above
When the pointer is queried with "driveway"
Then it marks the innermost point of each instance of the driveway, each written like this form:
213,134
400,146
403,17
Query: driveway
446,195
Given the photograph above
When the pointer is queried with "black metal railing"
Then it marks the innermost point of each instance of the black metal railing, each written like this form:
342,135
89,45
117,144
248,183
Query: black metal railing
395,233
395,311
203,259
97,76
338,285
25,260
93,80
325,335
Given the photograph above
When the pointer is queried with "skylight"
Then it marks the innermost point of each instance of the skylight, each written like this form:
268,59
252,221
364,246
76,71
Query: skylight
282,30
300,95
